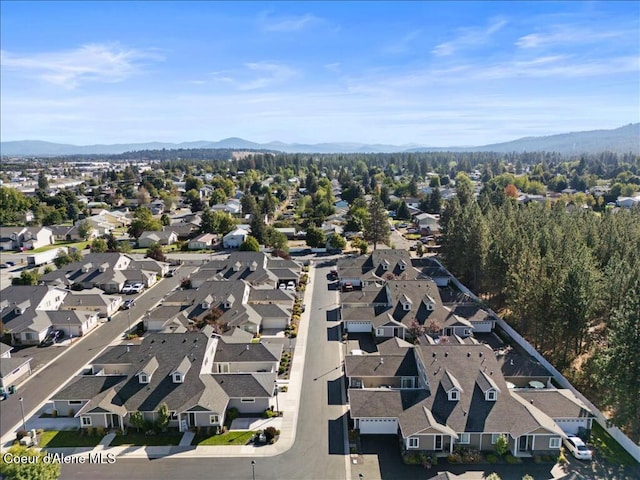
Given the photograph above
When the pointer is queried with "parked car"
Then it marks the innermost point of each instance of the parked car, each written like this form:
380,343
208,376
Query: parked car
127,288
52,337
412,230
291,285
171,272
403,225
137,287
4,265
128,304
304,307
11,264
347,287
282,286
577,448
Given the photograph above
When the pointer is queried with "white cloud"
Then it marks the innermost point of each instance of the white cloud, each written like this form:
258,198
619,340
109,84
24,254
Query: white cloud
88,63
287,24
333,67
469,37
566,35
269,74
402,45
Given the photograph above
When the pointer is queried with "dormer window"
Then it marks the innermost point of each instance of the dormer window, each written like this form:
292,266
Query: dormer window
385,265
490,396
143,378
406,306
402,265
430,307
226,304
454,395
177,378
206,305
19,311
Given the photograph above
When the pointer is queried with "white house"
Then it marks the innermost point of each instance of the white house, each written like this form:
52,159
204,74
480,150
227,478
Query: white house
235,238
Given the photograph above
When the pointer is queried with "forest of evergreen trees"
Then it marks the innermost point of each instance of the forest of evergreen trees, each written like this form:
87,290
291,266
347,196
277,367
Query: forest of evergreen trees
567,278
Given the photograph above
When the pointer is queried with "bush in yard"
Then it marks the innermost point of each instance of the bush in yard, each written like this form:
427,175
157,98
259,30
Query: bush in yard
502,445
270,433
492,459
493,476
511,460
269,413
562,460
232,413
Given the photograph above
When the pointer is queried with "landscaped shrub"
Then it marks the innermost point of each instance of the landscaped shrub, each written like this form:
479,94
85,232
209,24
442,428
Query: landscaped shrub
89,431
491,458
562,459
511,460
100,431
454,458
270,433
269,413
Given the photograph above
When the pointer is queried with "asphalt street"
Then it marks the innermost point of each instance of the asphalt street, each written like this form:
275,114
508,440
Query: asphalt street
319,448
41,384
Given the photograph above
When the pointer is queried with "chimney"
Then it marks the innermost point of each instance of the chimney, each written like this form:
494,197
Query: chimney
446,354
381,361
247,348
468,354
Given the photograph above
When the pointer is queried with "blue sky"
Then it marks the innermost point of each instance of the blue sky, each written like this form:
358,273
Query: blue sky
429,73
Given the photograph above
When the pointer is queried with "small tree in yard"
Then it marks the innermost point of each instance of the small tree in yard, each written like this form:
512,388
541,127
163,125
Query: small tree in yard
416,330
155,251
84,229
337,242
136,419
361,245
502,445
164,416
249,245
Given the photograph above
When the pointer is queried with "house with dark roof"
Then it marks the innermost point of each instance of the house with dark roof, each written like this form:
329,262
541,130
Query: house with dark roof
399,306
108,271
172,369
447,395
376,268
567,410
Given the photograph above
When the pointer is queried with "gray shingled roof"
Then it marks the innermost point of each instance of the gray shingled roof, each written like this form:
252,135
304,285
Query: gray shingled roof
560,403
246,352
382,403
88,386
238,385
381,365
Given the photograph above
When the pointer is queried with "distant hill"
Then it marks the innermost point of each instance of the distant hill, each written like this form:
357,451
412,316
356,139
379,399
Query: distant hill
624,139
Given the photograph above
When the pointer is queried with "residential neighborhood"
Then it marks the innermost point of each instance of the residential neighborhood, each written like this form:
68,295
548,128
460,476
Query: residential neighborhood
183,325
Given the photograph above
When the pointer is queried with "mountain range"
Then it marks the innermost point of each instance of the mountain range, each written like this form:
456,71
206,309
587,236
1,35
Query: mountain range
622,140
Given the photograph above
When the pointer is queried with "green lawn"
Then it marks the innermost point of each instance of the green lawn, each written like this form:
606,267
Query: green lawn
140,439
230,438
608,447
67,438
79,245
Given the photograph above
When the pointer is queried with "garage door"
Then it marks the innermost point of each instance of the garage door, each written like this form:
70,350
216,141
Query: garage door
378,425
271,323
358,327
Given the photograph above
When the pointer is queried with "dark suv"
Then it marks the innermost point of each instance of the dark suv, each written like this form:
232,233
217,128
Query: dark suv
52,337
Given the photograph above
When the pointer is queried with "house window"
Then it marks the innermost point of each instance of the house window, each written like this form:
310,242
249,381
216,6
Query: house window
214,419
554,442
454,395
438,442
413,442
402,266
75,402
28,336
177,378
430,307
467,332
491,396
247,400
223,368
464,438
406,306
143,378
379,332
495,437
86,421
174,415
